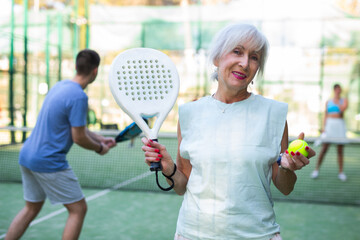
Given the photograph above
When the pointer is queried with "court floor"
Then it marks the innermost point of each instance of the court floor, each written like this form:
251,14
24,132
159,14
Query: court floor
147,215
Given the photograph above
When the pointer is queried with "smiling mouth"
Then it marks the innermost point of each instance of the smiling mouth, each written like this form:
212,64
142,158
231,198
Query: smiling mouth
239,75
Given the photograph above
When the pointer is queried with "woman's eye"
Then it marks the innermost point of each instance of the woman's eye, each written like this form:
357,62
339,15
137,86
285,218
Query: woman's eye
255,58
237,52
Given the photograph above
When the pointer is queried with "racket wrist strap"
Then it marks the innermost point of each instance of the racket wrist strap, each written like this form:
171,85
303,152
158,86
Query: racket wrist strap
168,177
173,173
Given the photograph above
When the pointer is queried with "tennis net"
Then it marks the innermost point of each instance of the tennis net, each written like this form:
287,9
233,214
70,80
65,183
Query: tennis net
124,163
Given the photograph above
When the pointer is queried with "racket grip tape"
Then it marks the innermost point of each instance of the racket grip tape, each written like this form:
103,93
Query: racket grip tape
155,166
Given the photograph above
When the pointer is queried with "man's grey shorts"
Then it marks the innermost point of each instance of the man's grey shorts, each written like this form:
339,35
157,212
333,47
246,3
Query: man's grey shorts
60,187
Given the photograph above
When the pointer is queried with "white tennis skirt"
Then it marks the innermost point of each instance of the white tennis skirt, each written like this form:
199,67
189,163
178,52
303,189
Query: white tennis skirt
335,131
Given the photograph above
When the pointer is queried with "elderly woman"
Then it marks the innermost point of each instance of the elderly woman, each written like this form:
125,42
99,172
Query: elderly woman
229,148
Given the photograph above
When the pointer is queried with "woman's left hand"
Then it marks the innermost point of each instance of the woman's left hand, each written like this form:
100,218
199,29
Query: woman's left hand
295,160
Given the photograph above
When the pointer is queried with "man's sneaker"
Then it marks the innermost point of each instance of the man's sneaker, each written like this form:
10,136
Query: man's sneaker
342,176
315,174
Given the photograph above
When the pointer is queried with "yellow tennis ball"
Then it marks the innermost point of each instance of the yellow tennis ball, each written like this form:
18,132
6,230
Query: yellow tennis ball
298,145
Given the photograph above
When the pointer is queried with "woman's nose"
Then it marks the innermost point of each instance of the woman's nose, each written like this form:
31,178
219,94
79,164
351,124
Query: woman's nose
244,61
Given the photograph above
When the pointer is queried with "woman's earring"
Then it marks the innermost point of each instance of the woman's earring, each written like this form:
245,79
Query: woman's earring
252,82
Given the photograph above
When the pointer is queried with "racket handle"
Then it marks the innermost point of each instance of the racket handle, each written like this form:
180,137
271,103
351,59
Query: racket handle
155,166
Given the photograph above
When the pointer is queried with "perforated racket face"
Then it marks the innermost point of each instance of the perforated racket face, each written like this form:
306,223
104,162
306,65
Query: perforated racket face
145,80
144,83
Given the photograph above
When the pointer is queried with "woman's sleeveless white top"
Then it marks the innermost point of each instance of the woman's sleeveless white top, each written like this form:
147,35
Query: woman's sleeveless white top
231,148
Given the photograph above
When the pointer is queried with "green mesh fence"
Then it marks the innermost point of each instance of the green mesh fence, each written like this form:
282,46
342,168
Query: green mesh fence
124,167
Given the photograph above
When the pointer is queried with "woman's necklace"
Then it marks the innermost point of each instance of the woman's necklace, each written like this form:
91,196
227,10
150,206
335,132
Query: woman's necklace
228,105
222,109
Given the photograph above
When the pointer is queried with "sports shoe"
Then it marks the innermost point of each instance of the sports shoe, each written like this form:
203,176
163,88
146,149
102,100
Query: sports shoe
342,176
315,174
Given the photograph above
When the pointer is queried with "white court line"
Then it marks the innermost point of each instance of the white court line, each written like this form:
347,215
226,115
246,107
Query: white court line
92,197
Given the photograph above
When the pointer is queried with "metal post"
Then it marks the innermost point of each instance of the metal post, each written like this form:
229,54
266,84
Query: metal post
11,72
82,25
25,68
59,24
76,29
47,51
321,80
87,35
143,29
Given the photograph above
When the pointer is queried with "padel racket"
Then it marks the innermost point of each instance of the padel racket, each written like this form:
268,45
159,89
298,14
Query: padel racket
129,132
145,83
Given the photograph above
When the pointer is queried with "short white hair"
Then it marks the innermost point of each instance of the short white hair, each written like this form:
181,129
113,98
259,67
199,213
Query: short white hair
237,34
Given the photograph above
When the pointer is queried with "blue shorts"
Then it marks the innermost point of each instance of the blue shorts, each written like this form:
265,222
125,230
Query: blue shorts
60,187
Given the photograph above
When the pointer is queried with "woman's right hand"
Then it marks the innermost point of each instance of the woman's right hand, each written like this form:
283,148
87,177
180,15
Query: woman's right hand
155,152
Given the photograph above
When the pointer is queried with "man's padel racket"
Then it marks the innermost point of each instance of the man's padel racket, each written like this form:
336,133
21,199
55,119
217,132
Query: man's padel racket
129,132
145,83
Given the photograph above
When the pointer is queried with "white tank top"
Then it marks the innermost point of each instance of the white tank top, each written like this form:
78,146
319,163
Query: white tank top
231,148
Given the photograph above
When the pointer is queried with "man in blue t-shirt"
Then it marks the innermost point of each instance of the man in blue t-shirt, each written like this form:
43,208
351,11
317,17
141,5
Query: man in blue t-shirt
44,168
